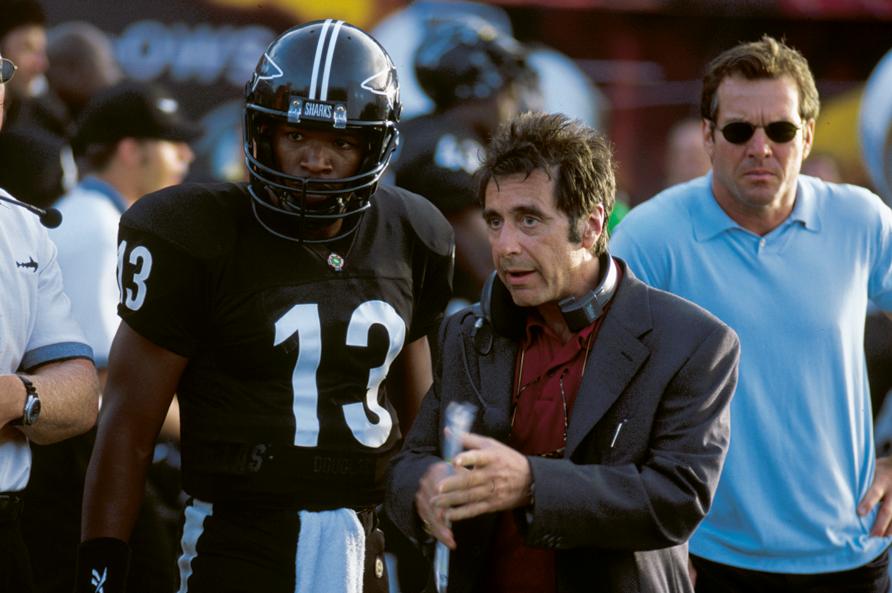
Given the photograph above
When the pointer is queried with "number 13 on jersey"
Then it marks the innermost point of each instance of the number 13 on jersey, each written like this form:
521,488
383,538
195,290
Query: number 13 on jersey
303,320
140,258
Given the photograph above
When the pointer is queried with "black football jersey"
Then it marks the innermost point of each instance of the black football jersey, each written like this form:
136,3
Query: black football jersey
437,158
283,398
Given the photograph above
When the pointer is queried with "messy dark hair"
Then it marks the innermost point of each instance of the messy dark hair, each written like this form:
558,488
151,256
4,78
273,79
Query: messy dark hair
577,157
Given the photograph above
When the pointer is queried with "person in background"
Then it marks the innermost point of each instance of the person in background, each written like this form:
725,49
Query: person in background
822,165
289,315
477,77
602,417
81,65
790,262
132,139
48,385
33,168
686,157
23,41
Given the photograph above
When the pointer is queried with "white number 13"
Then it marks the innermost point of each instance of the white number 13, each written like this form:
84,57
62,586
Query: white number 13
141,258
304,320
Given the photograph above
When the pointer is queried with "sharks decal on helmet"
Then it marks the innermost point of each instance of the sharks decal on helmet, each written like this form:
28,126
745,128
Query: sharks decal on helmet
276,71
386,86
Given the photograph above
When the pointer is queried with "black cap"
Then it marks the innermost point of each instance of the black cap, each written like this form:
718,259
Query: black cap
32,165
132,110
17,13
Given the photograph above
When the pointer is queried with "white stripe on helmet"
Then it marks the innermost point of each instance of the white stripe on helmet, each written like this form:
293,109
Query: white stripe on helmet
317,58
328,60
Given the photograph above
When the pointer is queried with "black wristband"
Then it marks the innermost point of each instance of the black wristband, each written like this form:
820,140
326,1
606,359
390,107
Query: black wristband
102,565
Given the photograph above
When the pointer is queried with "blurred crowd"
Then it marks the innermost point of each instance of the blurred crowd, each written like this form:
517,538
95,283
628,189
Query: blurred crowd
80,137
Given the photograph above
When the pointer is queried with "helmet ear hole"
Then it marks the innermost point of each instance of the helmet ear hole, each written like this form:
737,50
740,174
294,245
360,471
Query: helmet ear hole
329,74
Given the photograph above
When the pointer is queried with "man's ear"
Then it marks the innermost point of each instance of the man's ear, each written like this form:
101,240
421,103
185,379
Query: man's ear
129,151
593,226
708,129
808,138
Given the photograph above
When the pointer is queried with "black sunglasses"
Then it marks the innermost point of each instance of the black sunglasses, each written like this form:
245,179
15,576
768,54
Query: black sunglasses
7,70
739,132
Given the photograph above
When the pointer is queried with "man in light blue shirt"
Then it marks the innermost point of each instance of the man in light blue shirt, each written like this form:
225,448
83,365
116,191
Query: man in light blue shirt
132,139
789,262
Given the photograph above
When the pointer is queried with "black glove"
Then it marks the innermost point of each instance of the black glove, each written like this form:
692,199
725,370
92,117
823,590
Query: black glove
102,566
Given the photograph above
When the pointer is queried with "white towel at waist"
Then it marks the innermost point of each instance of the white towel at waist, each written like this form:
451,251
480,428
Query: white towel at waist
330,552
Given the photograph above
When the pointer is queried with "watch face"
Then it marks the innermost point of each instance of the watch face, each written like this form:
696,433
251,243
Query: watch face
32,410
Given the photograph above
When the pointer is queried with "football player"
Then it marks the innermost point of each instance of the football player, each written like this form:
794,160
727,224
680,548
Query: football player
289,315
477,77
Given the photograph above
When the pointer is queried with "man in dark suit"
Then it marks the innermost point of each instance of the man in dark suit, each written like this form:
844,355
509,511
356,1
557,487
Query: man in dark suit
602,419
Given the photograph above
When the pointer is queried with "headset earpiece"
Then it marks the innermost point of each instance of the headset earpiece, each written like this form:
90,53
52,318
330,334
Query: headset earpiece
582,311
508,319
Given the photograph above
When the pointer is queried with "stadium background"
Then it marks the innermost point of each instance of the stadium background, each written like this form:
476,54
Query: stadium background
640,60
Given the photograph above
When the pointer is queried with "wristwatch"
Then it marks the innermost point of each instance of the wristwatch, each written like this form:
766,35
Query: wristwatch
31,411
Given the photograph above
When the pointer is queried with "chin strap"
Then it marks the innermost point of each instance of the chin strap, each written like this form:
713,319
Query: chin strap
293,226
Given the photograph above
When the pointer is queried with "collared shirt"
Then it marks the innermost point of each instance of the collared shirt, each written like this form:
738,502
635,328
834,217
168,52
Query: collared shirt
548,373
801,455
35,321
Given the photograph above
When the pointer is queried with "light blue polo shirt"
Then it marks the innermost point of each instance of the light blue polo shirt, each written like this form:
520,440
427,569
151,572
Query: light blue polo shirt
801,454
88,257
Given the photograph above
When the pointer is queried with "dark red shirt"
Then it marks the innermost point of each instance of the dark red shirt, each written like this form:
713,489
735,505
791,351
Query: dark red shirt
548,373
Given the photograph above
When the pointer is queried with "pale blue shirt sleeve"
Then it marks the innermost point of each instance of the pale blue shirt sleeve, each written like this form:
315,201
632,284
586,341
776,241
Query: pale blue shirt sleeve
87,255
55,334
879,288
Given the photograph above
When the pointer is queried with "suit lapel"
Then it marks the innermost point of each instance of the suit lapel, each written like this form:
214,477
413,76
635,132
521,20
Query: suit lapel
616,356
497,381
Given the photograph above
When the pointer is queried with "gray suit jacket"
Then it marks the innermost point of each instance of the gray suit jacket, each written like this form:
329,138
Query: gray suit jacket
645,446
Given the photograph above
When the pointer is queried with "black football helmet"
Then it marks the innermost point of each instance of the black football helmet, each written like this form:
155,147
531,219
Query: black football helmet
467,58
325,74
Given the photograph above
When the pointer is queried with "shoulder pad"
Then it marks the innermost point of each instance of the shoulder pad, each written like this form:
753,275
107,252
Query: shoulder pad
427,223
200,218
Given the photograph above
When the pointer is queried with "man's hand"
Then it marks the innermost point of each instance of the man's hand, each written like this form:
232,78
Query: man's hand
880,490
490,477
433,517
